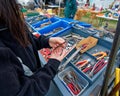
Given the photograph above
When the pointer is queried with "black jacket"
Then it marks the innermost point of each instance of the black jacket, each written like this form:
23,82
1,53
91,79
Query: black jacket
13,81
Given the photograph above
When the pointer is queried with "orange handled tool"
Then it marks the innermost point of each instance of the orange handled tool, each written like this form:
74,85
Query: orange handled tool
100,55
81,63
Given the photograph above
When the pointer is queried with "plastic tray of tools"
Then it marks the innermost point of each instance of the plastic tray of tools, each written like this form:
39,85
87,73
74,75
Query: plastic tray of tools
35,19
70,31
46,22
102,45
105,35
89,29
75,78
56,27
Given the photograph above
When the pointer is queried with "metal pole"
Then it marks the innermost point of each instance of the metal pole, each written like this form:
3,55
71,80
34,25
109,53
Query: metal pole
59,7
111,61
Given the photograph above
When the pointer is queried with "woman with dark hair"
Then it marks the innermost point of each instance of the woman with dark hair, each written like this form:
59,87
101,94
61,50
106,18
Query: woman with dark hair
20,70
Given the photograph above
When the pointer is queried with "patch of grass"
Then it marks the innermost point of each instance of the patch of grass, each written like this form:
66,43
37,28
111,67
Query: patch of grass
111,23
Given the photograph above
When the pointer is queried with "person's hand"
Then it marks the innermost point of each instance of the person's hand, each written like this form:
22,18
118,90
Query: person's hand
56,41
58,53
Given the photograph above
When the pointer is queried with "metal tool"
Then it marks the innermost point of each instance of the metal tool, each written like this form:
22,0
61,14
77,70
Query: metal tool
71,85
73,55
87,66
58,29
54,31
98,66
100,55
93,69
82,63
77,79
46,52
76,58
45,24
95,66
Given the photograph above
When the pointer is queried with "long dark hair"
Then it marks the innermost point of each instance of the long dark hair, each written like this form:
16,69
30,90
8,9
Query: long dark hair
11,16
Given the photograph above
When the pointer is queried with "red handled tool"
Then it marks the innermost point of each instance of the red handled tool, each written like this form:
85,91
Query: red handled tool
81,64
100,67
73,88
71,84
96,68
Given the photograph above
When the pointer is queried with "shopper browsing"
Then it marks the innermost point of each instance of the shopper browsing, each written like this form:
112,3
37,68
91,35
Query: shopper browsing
70,8
20,70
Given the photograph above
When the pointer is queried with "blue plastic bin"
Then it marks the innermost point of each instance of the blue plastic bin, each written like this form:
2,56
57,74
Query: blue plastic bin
102,45
83,82
71,30
53,26
38,24
80,23
87,56
68,19
34,19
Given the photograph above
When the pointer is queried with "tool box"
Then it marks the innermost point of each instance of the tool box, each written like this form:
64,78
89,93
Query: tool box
74,83
106,35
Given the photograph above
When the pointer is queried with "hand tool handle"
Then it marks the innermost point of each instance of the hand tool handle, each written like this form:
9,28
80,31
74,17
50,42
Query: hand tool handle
99,68
80,62
86,69
97,64
73,88
82,65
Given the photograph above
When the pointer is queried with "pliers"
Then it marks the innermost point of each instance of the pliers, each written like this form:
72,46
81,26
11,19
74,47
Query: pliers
46,52
96,68
81,64
100,55
71,84
73,88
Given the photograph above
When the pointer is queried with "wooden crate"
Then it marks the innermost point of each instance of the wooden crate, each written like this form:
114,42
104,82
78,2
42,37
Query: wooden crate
90,41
